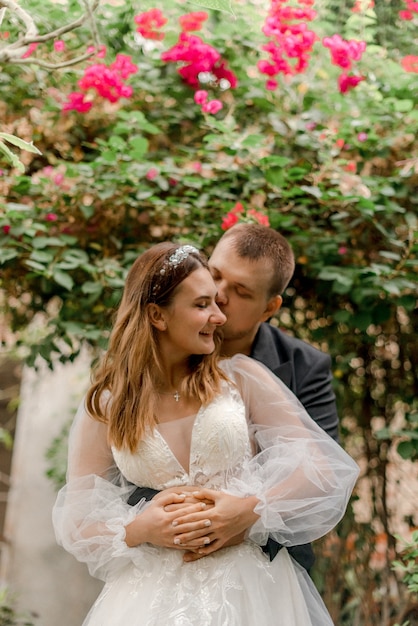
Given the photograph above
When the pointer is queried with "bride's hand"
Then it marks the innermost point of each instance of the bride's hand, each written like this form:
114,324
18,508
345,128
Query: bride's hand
226,522
155,523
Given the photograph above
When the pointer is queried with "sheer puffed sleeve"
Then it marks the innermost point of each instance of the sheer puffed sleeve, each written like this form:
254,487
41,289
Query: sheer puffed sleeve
302,477
91,510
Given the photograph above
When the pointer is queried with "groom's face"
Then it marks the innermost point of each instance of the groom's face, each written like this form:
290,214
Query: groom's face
243,291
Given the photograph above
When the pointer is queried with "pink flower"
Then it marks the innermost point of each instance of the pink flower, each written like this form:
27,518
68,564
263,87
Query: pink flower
197,166
196,57
76,102
271,84
59,45
362,137
6,229
149,22
229,220
347,82
344,52
51,217
107,81
200,96
100,53
342,250
124,66
58,179
152,173
193,21
212,107
31,49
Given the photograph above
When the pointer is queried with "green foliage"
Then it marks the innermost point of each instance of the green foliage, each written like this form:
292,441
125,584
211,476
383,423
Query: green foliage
337,174
8,615
408,564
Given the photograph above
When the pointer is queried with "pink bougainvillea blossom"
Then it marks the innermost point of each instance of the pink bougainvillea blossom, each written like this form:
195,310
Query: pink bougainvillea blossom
197,57
348,81
100,52
59,45
200,96
152,173
410,63
408,13
149,22
212,107
108,81
76,102
193,21
31,49
362,136
344,52
291,41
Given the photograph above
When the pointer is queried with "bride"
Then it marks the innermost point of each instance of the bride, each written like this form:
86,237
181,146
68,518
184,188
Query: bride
165,412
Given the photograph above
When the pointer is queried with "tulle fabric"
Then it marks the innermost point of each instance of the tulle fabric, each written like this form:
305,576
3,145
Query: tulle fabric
255,438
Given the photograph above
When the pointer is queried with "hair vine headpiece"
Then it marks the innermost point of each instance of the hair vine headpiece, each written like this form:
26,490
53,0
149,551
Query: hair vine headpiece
173,261
177,257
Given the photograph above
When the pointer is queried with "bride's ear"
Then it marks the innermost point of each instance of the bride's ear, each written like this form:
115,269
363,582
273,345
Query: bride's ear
156,317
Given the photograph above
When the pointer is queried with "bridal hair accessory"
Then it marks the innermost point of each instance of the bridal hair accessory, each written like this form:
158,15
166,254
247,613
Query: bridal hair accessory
174,260
178,256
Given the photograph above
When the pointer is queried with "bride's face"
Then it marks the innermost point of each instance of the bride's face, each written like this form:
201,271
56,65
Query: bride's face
192,317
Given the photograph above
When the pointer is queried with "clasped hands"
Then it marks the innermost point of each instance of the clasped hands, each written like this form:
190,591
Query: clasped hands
197,521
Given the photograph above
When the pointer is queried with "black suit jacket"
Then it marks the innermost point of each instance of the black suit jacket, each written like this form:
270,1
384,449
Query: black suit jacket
307,372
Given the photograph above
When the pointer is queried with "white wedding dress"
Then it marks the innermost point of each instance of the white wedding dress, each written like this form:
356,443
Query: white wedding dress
255,438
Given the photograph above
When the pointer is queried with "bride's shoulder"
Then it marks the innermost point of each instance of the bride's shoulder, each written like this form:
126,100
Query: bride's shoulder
243,365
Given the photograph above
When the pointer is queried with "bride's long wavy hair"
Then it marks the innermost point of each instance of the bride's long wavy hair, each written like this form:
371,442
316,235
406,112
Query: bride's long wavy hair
123,391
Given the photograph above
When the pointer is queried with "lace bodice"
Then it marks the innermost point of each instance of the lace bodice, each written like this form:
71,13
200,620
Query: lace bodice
219,445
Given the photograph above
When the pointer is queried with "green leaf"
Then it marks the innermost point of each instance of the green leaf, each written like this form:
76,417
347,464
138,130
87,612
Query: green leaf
91,287
278,161
63,279
139,146
216,5
43,242
20,143
406,449
11,157
6,254
252,141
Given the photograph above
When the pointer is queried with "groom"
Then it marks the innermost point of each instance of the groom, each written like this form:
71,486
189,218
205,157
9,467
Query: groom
252,266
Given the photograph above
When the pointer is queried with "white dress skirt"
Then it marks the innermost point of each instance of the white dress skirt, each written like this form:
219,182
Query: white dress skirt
254,438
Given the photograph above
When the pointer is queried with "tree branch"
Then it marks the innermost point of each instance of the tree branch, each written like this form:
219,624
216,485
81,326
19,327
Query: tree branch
13,52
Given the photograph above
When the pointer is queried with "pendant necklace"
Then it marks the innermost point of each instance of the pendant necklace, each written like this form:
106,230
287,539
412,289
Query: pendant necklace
174,394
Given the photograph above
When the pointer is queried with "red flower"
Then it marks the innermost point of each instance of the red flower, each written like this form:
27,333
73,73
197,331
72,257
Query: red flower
193,21
51,217
410,63
229,220
76,102
347,82
6,229
148,23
